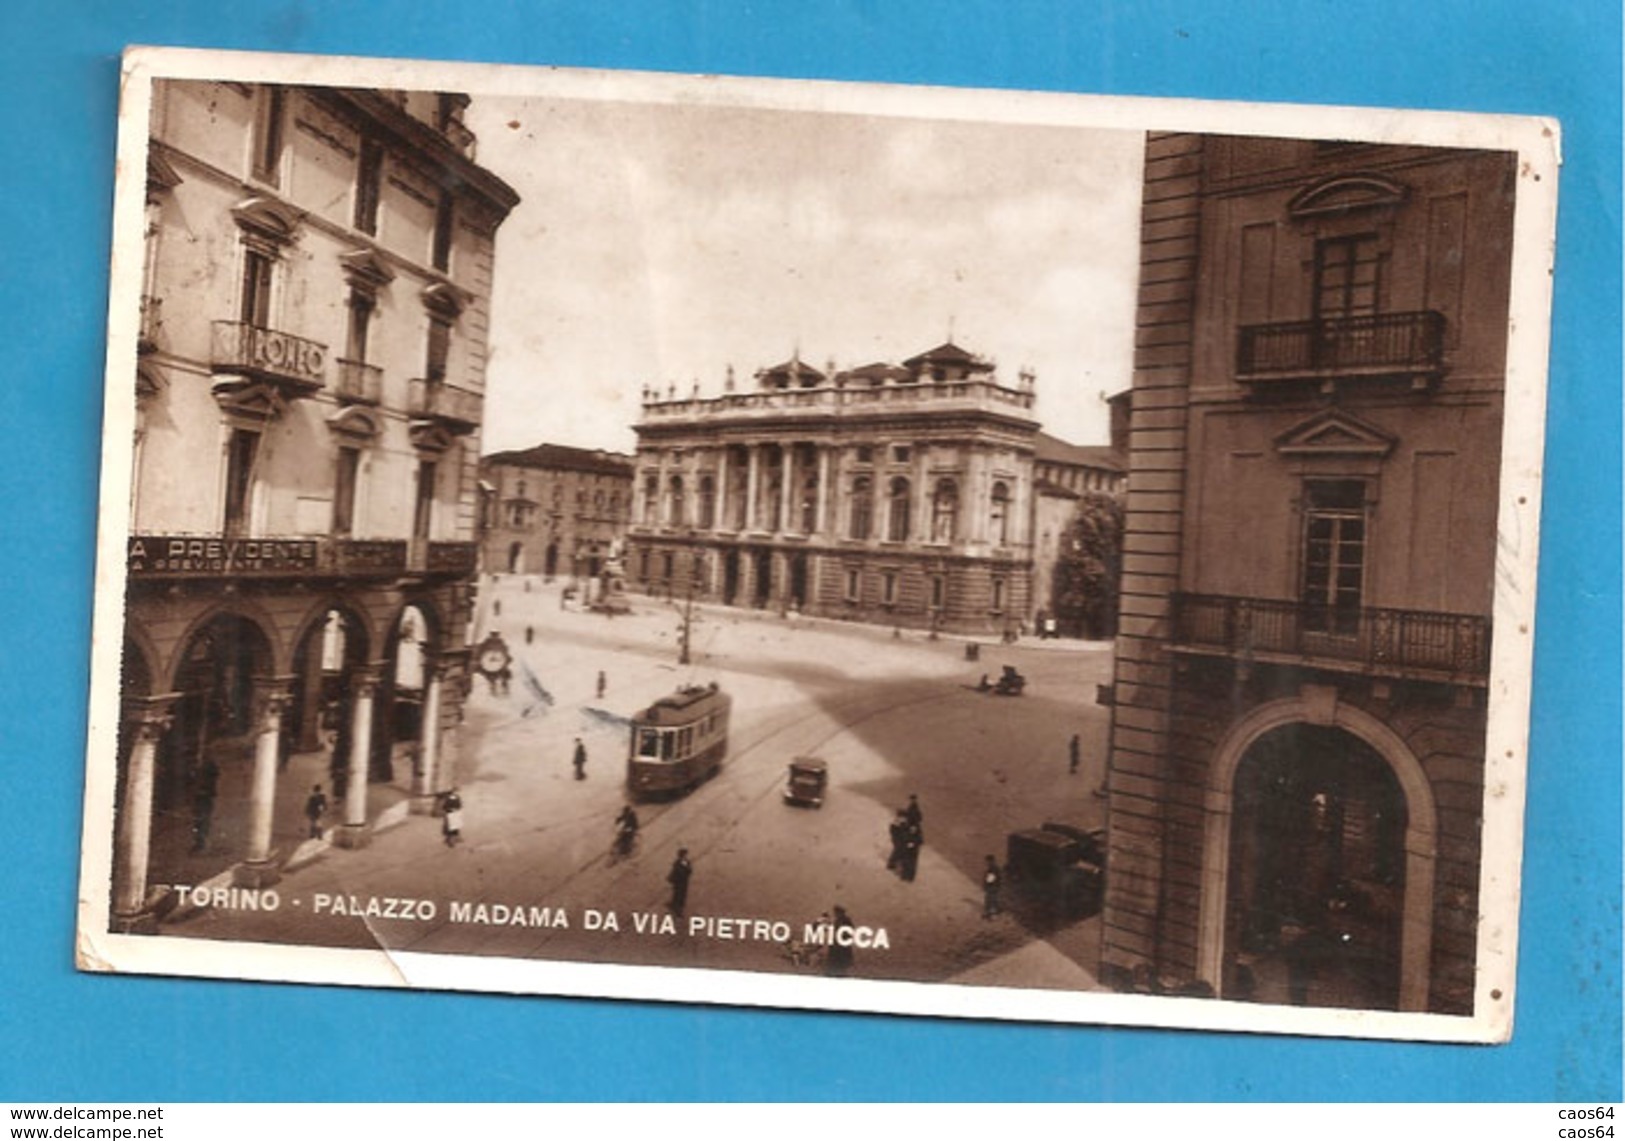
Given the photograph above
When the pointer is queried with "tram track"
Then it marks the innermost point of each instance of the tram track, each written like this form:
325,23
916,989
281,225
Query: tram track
703,821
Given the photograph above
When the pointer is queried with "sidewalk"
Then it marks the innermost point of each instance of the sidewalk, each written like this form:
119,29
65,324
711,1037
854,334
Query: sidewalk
1036,966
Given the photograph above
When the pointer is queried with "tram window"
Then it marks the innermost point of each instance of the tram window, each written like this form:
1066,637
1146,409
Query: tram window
666,740
649,745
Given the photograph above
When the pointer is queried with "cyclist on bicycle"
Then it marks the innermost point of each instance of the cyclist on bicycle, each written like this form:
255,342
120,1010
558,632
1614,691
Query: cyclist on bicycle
626,831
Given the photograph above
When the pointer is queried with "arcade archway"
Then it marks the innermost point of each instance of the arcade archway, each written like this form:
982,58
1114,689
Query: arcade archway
1317,870
203,763
1350,806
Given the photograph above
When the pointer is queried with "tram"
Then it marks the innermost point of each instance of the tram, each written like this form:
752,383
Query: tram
678,741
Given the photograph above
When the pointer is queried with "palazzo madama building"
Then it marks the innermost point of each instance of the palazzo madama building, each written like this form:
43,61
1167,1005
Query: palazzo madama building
893,494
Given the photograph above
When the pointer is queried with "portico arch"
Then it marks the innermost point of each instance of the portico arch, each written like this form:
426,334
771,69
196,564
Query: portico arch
1318,706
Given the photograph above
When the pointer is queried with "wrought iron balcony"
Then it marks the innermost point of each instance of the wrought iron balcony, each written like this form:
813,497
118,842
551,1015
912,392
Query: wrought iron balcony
443,558
1404,345
359,382
1395,643
294,364
459,410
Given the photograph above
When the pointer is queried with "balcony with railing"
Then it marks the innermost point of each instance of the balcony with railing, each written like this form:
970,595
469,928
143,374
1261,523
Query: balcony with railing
457,409
1417,644
359,382
1375,346
443,558
843,400
295,365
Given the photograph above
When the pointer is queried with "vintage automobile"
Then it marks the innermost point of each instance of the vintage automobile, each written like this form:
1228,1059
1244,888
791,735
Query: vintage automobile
805,782
1057,870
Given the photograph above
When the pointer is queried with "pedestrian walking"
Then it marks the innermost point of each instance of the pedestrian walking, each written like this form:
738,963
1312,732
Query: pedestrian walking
1074,751
603,683
992,882
451,820
913,841
838,960
678,877
899,834
315,809
915,816
580,760
208,785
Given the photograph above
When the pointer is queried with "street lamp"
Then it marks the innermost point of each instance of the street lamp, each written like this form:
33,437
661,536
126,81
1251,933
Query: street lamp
695,574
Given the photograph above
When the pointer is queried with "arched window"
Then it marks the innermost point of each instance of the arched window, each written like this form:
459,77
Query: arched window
944,511
519,492
677,506
1001,514
897,515
651,498
862,508
708,502
809,503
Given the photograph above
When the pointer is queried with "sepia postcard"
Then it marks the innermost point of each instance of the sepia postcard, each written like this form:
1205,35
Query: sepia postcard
818,545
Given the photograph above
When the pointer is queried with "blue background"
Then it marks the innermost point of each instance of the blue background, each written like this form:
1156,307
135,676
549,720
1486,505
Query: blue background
69,1036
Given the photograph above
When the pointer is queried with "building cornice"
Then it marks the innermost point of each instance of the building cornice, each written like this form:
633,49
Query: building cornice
450,169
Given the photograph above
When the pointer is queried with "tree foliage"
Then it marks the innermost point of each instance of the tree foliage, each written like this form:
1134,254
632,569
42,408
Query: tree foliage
1089,566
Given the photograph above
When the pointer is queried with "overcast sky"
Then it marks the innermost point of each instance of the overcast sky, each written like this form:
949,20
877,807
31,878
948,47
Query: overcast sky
659,244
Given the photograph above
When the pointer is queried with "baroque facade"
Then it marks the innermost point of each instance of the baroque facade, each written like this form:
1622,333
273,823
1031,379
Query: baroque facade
894,494
1298,737
555,510
310,387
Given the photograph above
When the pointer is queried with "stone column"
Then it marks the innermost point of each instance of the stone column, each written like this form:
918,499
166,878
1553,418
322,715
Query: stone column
787,486
424,771
355,833
920,531
310,737
271,699
146,721
719,507
752,485
977,500
879,518
821,501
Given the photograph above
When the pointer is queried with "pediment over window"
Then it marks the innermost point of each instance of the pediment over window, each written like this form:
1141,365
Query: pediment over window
1335,432
356,422
252,399
366,270
149,381
1345,193
429,436
161,175
445,298
268,219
